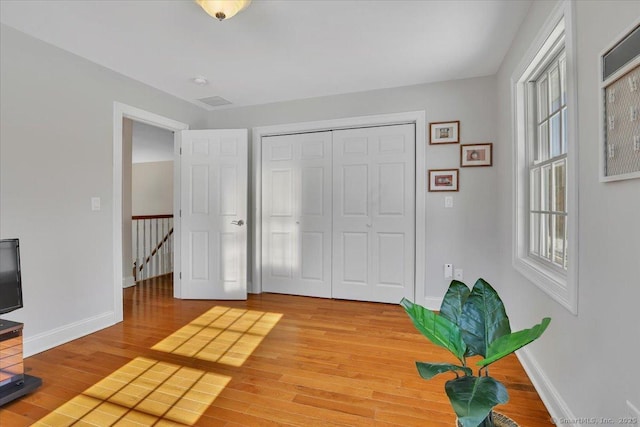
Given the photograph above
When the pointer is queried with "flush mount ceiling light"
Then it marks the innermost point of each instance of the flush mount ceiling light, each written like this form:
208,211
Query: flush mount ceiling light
200,81
223,9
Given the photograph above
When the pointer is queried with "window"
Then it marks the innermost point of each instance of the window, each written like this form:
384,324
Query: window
545,209
548,165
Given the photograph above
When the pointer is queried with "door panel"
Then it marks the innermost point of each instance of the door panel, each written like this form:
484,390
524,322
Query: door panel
214,213
296,214
374,213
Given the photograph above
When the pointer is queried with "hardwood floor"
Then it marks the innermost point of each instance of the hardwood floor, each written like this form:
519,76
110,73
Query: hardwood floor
324,363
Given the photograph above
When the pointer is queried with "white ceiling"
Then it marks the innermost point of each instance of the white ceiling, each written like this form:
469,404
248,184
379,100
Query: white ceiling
278,50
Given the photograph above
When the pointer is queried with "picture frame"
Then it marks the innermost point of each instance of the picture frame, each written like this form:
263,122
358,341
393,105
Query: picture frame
476,155
444,179
619,68
444,132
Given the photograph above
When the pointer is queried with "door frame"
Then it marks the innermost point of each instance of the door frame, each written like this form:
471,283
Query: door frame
418,118
120,112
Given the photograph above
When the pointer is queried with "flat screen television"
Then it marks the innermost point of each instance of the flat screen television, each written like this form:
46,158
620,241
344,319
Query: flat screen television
10,277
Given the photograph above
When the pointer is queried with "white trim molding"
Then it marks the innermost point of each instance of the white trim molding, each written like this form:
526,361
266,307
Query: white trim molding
121,111
557,407
41,342
562,287
416,117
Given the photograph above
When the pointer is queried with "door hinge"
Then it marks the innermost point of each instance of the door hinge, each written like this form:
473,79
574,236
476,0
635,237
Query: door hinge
180,275
181,151
180,213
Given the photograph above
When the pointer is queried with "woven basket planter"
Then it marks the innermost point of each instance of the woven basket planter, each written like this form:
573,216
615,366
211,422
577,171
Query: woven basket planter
499,420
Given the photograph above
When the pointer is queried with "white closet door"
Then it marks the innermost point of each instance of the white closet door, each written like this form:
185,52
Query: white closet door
296,214
374,213
214,212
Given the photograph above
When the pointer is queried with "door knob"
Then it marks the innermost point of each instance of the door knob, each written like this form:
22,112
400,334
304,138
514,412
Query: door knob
239,223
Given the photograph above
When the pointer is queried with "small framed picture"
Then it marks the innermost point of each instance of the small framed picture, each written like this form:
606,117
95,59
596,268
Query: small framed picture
444,132
443,179
476,155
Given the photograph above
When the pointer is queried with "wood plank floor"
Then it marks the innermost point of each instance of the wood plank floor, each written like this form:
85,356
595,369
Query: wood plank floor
325,363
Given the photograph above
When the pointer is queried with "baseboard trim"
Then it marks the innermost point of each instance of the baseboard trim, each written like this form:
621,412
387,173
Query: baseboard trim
63,334
557,407
127,282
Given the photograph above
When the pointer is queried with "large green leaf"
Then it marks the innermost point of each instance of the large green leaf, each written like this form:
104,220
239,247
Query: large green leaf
507,344
429,370
483,319
473,398
454,299
437,329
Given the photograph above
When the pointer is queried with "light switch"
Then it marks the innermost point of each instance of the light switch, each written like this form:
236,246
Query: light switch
448,201
95,203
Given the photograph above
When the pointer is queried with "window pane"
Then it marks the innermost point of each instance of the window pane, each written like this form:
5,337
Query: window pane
564,130
545,236
543,142
546,189
534,234
558,253
554,89
556,143
563,81
534,190
560,178
543,99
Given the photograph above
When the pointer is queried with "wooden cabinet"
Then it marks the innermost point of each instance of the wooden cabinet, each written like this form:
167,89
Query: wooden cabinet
11,363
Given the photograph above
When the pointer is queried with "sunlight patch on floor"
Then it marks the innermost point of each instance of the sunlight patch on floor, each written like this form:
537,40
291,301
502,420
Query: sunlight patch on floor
143,392
224,335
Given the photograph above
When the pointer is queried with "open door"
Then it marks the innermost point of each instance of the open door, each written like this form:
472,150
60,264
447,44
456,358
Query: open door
213,183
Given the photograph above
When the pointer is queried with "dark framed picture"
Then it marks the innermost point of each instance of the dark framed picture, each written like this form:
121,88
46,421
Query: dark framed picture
472,155
444,132
443,179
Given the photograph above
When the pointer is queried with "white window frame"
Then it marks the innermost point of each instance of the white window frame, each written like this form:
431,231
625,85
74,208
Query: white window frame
560,285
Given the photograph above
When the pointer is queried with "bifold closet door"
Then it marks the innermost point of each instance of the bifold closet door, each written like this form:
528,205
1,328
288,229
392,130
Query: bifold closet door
296,214
374,213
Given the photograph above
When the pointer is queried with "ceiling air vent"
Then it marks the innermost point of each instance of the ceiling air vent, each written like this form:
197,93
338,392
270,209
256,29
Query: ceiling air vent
215,101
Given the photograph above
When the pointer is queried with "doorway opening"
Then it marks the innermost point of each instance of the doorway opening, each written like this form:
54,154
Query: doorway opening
122,274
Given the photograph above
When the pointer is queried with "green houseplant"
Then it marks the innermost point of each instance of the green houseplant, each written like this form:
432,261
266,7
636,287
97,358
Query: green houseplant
471,322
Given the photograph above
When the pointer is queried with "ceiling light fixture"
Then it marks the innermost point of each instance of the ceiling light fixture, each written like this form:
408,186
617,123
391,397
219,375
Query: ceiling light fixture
223,9
200,81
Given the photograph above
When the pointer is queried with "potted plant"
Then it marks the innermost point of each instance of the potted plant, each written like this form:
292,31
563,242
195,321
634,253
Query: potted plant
470,323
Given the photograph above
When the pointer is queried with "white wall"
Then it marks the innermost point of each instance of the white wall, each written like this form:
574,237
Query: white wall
449,231
152,188
589,359
56,126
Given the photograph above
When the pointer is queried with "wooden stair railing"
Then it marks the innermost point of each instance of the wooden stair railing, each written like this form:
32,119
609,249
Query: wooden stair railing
155,250
152,250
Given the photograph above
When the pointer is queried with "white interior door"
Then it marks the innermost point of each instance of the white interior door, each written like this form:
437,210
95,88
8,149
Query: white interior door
296,214
214,214
374,213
